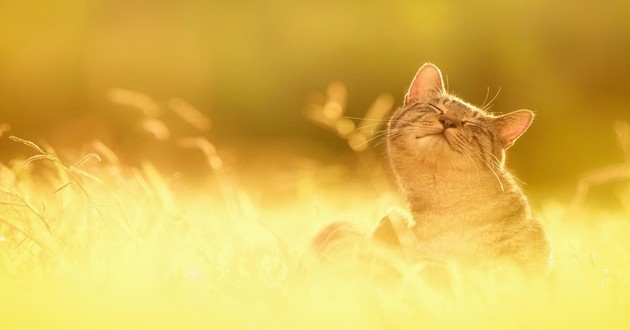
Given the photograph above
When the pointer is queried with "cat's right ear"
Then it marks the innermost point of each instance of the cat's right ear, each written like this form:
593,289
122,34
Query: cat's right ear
511,126
427,82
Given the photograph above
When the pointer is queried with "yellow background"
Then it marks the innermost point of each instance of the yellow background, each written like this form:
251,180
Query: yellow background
250,66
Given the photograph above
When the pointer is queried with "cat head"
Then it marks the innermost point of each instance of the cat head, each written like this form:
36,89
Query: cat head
438,128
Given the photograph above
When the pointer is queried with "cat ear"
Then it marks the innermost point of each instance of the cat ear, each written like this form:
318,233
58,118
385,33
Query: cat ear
427,82
511,126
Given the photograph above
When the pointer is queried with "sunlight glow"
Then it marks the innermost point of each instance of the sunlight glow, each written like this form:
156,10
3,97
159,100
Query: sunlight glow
168,257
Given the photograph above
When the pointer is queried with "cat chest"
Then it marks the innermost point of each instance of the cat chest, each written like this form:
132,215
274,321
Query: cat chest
469,237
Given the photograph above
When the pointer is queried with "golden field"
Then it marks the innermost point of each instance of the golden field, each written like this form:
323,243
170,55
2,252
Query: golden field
95,244
191,204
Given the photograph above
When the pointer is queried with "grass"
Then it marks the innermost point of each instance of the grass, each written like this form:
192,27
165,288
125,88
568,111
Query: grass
94,244
121,248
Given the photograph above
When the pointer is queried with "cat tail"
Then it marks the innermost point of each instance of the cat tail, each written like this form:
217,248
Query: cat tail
345,250
338,239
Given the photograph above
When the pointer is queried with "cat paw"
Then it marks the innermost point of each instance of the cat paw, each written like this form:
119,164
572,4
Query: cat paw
394,229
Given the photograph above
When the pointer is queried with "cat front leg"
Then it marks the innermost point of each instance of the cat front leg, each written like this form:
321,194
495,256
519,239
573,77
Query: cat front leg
394,231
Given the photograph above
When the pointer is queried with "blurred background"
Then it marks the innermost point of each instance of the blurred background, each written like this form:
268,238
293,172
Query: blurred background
253,66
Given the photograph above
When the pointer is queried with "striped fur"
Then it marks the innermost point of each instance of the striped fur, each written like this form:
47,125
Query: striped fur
449,160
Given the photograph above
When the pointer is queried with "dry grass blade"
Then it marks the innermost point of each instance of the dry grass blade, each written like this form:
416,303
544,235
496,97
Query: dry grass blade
315,114
12,204
63,187
190,114
157,128
609,173
329,113
208,149
4,127
41,217
330,116
27,143
336,97
85,159
97,206
85,174
39,157
23,232
603,175
137,100
377,112
107,152
281,245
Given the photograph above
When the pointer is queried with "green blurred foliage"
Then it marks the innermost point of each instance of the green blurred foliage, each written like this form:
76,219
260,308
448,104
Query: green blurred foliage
251,64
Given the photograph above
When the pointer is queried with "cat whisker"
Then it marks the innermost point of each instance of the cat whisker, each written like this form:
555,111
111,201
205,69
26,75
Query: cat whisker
375,132
364,129
496,176
485,99
384,134
381,141
466,153
492,167
503,170
494,98
392,133
498,163
374,137
367,119
405,130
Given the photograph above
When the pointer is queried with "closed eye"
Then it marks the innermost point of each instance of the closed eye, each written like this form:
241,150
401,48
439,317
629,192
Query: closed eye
436,108
469,123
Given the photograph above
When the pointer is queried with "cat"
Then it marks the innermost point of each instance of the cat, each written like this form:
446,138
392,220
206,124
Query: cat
448,158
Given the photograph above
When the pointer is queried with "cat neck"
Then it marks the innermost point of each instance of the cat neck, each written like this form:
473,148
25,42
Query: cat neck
431,189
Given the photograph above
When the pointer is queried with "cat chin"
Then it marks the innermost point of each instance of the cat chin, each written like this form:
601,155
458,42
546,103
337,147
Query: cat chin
428,149
434,143
427,155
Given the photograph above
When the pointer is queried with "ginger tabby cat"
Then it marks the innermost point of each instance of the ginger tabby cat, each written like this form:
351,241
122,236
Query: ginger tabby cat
448,157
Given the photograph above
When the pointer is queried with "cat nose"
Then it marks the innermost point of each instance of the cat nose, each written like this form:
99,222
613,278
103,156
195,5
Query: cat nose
447,122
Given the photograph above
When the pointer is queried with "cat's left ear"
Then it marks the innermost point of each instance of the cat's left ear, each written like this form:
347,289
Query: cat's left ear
427,82
511,126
